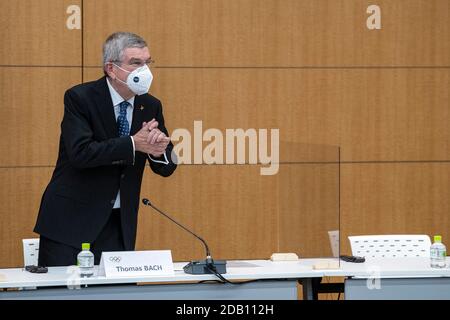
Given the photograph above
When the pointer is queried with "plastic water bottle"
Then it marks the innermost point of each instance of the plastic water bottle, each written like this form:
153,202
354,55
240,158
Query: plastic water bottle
438,253
85,261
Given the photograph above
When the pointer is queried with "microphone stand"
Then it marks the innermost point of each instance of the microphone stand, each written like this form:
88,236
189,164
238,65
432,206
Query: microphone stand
206,266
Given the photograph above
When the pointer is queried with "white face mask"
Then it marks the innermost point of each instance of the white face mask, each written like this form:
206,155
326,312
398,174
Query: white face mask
138,80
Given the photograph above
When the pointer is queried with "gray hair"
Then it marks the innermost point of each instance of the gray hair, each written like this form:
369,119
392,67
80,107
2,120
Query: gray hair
117,42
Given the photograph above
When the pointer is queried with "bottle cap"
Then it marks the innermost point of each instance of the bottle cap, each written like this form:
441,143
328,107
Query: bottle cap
86,246
437,238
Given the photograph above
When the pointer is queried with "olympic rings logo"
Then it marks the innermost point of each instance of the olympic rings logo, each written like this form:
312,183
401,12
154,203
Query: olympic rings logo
115,259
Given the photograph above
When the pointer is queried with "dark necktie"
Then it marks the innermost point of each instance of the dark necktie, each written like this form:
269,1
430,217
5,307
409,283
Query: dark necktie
122,122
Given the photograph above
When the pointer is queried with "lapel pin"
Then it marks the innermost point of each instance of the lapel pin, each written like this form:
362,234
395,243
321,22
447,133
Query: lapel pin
142,108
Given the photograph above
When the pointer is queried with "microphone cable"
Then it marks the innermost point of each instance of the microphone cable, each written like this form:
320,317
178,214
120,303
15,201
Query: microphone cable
223,280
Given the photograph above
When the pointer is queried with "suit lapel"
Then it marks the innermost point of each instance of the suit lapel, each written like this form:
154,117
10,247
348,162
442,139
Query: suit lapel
106,108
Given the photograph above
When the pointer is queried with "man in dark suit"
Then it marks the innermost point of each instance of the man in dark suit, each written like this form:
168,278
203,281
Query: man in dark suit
110,128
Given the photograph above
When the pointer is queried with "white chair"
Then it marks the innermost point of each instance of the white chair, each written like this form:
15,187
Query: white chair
30,251
391,246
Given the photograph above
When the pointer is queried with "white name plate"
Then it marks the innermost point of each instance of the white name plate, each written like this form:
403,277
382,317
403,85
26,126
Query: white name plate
136,263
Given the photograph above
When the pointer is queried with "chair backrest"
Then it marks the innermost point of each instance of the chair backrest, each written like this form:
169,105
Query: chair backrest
391,246
30,251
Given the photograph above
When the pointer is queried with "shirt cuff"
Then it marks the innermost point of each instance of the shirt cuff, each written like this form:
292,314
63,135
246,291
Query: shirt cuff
159,161
134,148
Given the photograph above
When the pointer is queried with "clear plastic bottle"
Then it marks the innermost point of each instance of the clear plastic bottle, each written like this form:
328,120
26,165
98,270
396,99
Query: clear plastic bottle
438,253
85,261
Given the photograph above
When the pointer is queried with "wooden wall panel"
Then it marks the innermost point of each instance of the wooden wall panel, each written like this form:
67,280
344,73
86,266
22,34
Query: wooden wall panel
232,206
35,101
240,212
35,33
20,196
288,33
397,198
376,198
308,208
373,114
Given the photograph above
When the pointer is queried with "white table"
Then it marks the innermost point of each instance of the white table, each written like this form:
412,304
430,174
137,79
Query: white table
397,279
178,286
278,280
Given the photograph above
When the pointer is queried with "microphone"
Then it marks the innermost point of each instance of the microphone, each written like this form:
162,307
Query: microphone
198,266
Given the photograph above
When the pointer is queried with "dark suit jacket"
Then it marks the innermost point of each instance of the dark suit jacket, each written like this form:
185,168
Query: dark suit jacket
93,163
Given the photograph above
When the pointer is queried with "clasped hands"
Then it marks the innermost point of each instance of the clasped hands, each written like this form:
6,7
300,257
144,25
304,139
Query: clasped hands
150,139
